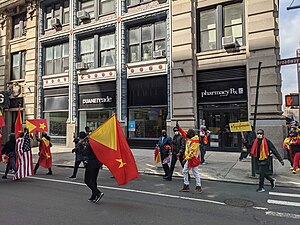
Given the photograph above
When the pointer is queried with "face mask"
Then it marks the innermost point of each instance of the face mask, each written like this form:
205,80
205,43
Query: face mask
260,136
176,133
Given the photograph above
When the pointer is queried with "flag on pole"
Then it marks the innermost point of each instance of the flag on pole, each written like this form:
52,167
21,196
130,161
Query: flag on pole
45,154
156,154
37,125
24,158
18,124
2,121
111,148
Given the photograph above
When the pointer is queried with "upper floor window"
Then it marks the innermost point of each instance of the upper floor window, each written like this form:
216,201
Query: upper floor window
104,7
105,53
59,10
19,25
57,59
222,21
18,61
136,2
145,40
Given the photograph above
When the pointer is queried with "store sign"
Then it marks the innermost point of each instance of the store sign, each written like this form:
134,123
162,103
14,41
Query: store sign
97,100
4,99
223,91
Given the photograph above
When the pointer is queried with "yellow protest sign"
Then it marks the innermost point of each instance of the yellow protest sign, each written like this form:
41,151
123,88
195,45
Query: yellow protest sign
240,126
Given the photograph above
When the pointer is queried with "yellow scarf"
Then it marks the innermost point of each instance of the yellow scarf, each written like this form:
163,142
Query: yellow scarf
262,155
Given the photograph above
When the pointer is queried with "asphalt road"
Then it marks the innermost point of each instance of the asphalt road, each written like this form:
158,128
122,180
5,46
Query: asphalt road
149,200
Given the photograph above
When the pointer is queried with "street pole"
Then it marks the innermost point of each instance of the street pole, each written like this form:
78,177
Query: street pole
255,114
298,71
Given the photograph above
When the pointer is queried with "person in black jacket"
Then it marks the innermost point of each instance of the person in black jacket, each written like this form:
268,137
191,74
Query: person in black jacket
92,167
9,149
262,149
178,148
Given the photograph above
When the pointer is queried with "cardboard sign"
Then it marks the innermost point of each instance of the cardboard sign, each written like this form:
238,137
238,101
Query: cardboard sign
240,126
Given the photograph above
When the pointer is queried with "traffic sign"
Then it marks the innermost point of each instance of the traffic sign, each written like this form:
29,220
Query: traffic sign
292,100
288,61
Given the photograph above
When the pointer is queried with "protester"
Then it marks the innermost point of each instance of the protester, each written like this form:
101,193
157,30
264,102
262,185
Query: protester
9,150
45,157
178,147
288,149
261,150
293,143
92,167
191,159
204,142
164,144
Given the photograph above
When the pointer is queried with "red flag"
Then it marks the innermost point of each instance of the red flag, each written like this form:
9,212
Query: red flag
37,125
111,148
1,144
2,121
18,124
156,154
45,154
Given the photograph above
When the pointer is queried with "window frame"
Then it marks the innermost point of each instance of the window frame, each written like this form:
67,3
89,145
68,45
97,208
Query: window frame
142,42
22,25
136,4
62,11
220,24
21,65
100,2
60,59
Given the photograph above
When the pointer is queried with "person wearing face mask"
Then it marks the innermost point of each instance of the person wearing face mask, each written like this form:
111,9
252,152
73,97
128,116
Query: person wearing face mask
191,159
261,150
164,144
178,147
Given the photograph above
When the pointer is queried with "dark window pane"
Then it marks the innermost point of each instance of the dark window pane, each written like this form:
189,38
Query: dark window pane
134,53
146,33
66,10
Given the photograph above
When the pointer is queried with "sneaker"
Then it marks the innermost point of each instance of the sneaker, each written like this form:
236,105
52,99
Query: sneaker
72,177
49,173
294,171
91,199
186,188
204,163
260,190
198,190
167,178
273,183
298,169
98,197
4,177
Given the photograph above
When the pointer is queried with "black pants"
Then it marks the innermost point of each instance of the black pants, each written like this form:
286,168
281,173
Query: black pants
173,163
90,179
37,165
76,166
263,169
165,166
203,152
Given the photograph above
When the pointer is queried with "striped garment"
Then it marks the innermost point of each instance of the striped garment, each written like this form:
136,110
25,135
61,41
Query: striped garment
24,159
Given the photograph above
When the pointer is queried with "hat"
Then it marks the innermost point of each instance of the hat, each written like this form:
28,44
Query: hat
82,135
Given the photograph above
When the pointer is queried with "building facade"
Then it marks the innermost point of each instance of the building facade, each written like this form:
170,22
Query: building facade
18,55
152,62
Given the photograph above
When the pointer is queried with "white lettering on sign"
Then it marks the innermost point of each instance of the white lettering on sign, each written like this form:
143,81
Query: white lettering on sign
2,98
223,93
108,99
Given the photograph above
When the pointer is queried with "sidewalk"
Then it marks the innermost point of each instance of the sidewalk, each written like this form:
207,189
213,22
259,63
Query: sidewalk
221,166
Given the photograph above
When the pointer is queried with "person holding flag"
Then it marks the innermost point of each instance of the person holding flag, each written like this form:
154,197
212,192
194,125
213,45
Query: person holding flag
9,150
45,156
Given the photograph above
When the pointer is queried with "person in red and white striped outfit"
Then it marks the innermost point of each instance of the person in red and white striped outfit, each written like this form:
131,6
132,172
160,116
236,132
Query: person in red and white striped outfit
24,157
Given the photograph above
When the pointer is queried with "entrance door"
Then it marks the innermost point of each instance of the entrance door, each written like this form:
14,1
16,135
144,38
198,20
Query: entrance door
218,123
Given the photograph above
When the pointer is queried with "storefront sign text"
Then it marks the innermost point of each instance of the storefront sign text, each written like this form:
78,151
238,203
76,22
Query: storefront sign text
108,99
223,93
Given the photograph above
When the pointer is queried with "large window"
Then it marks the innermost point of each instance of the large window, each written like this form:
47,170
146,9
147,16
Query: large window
104,7
146,122
146,39
57,59
19,25
106,52
59,10
93,119
221,21
18,65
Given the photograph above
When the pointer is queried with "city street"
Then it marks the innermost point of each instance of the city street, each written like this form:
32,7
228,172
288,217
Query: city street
148,200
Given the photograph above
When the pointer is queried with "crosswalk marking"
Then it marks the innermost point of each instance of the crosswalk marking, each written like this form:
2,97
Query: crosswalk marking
277,202
285,194
285,215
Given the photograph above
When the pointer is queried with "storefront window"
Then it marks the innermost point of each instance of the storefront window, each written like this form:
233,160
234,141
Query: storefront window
147,122
57,123
93,119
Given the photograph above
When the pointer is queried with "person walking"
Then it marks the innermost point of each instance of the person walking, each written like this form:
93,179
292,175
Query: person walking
92,167
45,156
164,144
293,143
178,147
261,150
9,150
191,159
204,142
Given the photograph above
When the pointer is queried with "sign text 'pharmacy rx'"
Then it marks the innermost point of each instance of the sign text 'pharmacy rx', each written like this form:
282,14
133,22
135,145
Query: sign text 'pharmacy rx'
223,93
